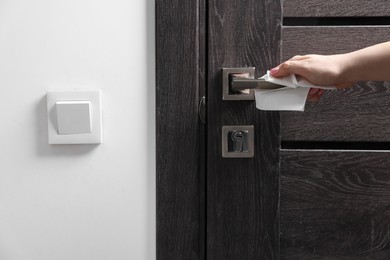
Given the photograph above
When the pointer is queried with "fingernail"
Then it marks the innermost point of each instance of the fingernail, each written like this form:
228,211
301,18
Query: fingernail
274,71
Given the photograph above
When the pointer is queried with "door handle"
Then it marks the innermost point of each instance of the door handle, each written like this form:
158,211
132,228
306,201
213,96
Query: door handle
239,84
236,80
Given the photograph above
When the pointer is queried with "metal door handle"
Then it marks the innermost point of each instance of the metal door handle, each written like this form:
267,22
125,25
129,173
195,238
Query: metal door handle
239,84
233,85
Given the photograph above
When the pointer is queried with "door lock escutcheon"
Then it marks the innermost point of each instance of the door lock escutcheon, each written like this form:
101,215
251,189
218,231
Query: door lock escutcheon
238,141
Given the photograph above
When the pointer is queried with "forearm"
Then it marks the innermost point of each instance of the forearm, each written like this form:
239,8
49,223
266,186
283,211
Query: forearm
371,63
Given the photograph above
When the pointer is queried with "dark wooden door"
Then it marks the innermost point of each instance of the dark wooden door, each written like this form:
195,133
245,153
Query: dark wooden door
318,186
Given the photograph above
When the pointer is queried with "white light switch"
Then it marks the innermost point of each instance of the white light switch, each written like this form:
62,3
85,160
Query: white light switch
73,117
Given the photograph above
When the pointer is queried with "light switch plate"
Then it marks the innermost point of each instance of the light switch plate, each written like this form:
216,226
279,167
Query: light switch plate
73,117
80,134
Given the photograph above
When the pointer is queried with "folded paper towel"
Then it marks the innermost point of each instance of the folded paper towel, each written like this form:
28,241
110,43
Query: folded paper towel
292,97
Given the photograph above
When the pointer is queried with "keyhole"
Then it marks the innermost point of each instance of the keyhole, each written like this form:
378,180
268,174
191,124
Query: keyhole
238,139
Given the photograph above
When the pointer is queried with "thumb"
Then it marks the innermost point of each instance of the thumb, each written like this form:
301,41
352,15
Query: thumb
287,68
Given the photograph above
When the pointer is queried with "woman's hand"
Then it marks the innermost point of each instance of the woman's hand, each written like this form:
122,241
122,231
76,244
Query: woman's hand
342,70
322,70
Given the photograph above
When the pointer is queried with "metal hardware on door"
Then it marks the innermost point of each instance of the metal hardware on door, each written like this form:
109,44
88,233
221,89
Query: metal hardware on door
238,141
238,138
227,75
238,83
202,110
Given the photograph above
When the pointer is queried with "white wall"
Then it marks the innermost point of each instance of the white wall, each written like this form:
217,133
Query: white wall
77,202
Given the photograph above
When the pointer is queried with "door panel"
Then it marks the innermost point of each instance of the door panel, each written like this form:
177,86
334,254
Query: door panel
242,194
179,132
330,8
335,205
330,39
357,114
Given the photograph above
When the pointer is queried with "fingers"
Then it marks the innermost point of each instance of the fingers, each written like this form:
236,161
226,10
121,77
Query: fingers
287,68
313,91
314,98
315,94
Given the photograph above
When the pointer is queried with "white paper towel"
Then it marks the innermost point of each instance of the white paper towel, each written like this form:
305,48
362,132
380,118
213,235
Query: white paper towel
290,98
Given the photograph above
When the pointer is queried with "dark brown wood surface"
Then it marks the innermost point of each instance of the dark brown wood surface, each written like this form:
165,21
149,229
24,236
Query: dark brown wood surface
330,39
357,114
321,8
242,194
335,205
178,84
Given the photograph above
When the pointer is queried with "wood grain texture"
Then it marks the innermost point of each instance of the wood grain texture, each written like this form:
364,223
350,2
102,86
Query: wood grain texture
330,39
335,205
357,114
178,84
330,8
242,194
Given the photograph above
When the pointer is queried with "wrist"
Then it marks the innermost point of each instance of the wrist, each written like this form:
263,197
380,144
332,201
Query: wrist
346,68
